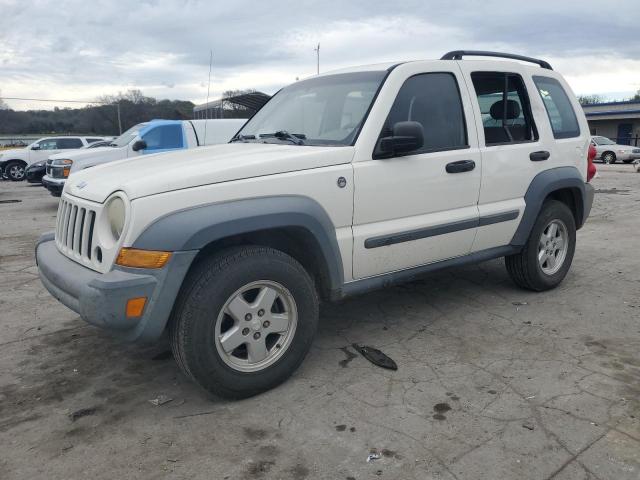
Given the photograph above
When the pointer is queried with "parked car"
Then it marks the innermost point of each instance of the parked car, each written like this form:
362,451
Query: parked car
156,136
36,171
14,162
342,183
608,151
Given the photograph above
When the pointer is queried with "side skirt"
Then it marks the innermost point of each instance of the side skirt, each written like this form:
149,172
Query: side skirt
364,285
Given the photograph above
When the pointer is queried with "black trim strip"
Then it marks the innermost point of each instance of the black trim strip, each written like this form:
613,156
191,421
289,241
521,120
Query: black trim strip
498,218
386,240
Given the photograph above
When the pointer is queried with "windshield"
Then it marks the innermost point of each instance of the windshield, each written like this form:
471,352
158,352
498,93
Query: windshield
603,141
127,136
326,110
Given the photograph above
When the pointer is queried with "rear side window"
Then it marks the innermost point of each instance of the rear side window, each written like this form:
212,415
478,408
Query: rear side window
164,137
505,108
68,143
432,99
559,109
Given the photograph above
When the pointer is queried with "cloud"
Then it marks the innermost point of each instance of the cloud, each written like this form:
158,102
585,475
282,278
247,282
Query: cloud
80,49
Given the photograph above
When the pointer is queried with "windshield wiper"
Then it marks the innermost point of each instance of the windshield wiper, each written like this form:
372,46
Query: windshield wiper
296,138
242,138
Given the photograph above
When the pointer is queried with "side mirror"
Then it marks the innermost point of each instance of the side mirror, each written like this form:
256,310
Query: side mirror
35,147
407,137
139,145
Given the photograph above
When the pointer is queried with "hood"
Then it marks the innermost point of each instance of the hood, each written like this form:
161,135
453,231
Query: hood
153,174
87,157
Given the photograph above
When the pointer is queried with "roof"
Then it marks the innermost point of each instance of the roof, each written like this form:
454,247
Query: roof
612,110
252,100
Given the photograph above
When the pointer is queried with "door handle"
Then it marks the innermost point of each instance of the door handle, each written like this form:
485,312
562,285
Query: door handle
539,156
460,166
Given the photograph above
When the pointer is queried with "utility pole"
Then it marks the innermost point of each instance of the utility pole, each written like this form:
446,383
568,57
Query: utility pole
119,121
317,50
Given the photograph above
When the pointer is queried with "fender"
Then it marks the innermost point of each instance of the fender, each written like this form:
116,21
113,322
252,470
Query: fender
540,187
194,228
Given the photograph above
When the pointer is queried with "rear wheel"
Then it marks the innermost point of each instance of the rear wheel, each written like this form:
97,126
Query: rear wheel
244,321
609,157
546,258
15,171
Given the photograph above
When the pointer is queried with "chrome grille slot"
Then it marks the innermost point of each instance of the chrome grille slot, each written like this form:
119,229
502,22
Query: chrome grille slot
74,230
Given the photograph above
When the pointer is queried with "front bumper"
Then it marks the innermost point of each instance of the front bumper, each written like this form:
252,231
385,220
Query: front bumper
100,298
54,185
35,174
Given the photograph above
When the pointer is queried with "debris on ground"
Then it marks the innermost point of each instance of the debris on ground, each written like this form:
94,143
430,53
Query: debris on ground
376,357
373,456
83,412
528,425
160,400
519,304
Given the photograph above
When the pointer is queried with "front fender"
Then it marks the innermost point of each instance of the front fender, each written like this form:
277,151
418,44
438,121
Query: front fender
194,228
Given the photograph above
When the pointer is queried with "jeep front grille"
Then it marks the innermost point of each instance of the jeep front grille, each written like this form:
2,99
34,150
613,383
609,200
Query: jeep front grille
74,230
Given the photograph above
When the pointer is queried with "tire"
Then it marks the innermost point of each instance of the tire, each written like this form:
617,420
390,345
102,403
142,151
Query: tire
15,171
608,157
210,309
525,268
629,161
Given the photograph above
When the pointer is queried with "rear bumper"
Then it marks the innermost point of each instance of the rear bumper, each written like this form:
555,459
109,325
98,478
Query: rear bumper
54,185
589,193
100,298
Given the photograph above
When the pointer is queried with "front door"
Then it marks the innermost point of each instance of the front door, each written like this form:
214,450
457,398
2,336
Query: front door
421,207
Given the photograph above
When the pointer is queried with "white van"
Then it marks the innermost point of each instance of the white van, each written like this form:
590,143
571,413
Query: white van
152,137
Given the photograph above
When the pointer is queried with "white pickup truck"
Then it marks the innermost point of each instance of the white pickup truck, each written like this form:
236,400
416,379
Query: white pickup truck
14,162
342,183
155,136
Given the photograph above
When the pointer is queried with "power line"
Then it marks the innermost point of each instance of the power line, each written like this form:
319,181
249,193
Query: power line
57,101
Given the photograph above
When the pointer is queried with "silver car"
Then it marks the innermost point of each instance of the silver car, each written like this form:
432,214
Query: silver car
609,151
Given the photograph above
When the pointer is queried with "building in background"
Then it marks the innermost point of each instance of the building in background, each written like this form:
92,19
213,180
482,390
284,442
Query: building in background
619,121
244,105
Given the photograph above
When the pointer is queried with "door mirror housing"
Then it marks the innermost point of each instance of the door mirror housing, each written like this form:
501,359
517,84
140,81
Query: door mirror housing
35,147
139,145
407,137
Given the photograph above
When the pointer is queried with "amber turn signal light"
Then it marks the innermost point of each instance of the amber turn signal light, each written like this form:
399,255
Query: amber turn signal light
135,306
133,257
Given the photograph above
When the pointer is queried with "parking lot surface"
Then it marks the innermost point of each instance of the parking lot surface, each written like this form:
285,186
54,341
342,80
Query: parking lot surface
493,382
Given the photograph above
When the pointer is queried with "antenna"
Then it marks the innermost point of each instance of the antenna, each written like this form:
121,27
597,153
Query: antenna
317,50
206,110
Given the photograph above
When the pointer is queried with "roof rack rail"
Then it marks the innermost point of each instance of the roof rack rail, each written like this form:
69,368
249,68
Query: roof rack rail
458,54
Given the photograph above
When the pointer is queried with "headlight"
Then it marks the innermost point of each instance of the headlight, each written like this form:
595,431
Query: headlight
66,164
116,216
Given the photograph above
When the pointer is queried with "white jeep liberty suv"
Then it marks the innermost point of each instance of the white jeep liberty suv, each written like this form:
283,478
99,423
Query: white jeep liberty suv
342,183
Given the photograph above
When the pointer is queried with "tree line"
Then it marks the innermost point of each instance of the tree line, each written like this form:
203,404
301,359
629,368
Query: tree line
596,99
99,119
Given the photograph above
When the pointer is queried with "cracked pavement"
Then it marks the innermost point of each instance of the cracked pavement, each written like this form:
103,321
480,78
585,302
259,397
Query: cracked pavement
493,382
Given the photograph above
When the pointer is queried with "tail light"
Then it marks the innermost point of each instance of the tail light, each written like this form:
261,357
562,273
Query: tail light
591,168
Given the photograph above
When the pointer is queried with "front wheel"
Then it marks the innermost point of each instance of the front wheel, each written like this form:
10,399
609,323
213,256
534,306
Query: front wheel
244,321
609,157
546,257
15,171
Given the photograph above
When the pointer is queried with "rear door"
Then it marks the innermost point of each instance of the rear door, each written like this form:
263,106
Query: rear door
512,149
409,210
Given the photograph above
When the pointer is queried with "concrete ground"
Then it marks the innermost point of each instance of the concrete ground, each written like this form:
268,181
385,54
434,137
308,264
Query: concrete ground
493,382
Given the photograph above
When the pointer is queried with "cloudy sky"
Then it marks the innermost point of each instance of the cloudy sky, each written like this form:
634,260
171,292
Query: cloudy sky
84,49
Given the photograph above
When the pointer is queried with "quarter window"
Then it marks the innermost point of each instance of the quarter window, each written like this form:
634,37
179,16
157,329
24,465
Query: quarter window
433,100
559,109
69,143
504,106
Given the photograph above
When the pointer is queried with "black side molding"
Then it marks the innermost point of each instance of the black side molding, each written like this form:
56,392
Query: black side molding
443,229
458,54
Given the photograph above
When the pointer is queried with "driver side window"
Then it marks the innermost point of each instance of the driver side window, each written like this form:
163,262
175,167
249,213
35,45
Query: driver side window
433,100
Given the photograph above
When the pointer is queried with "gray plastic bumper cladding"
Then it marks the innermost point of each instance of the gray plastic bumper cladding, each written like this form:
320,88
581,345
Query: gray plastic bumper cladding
100,298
